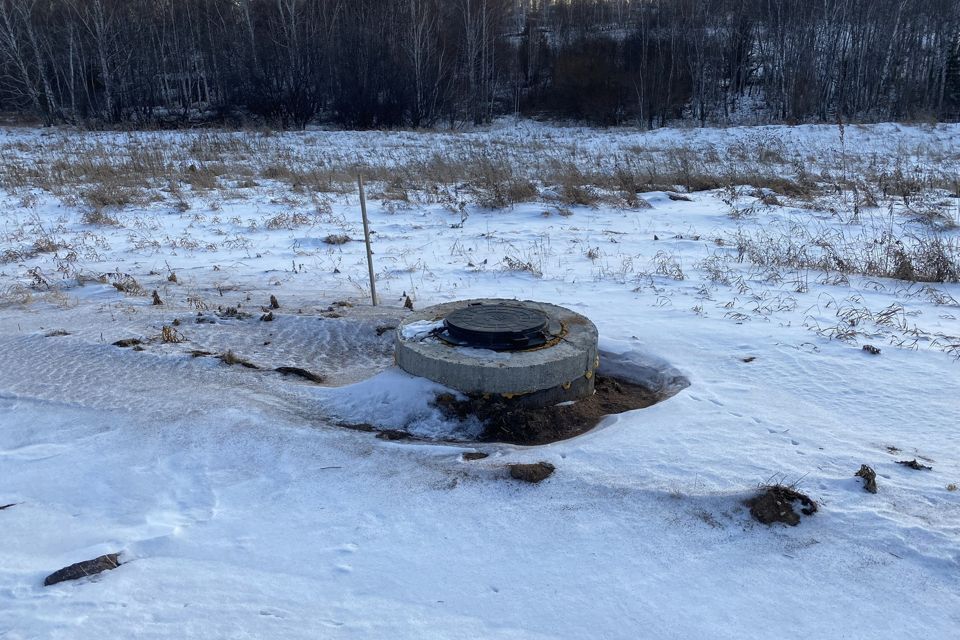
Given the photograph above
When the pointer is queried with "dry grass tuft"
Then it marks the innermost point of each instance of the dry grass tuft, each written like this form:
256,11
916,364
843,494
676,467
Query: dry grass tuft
105,195
169,335
124,283
99,217
287,221
231,358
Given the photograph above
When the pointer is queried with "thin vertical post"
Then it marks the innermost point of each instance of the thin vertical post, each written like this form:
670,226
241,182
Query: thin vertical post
366,239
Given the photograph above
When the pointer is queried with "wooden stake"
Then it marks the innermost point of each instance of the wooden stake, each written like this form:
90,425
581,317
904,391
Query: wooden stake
366,239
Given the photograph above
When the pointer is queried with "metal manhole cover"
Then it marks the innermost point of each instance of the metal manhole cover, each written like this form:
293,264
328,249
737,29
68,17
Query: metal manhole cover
502,327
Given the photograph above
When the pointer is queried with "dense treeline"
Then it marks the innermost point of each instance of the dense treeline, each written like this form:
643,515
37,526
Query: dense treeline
382,63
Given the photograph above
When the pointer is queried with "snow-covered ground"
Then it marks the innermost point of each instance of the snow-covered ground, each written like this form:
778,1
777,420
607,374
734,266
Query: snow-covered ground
243,511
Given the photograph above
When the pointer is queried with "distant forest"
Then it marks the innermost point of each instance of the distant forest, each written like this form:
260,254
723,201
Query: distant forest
392,63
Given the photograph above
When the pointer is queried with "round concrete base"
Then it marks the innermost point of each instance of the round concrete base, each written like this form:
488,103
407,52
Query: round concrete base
559,371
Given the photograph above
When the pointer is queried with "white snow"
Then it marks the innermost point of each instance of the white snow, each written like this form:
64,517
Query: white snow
243,510
420,329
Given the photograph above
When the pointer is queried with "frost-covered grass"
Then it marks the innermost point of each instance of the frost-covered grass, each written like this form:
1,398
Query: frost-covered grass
757,261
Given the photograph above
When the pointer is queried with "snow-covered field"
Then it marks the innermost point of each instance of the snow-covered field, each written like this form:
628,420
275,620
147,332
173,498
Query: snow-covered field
242,511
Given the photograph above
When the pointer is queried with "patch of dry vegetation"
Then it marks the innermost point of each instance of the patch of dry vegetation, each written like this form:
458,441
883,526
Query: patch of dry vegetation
137,168
913,257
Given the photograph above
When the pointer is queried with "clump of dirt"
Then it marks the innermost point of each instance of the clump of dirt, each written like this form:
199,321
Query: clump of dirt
533,473
393,434
869,478
913,464
83,569
475,455
127,342
303,373
775,504
508,420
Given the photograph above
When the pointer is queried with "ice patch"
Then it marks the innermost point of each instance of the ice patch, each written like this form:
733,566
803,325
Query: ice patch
623,360
394,399
420,329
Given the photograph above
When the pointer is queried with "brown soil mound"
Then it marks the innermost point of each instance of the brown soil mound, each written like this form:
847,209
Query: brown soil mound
533,473
506,420
775,505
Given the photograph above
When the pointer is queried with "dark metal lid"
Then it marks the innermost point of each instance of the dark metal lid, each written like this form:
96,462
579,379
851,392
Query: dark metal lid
501,327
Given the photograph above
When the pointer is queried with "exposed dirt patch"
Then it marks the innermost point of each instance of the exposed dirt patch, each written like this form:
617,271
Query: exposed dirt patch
303,373
775,504
507,420
83,569
127,342
475,455
913,464
393,434
533,473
